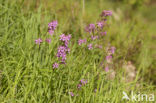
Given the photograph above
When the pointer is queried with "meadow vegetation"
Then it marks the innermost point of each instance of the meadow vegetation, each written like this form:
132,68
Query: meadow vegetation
83,56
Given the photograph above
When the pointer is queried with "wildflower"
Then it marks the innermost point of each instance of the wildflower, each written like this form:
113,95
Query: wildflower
109,58
52,26
106,13
103,33
79,86
113,50
61,53
51,32
81,41
98,46
100,24
48,40
64,38
71,93
106,68
38,41
55,65
90,28
94,37
83,81
90,46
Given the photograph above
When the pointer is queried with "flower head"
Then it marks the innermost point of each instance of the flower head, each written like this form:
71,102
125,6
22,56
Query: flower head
81,41
83,81
106,13
113,50
38,41
79,86
107,69
98,46
109,58
71,93
103,33
90,28
90,46
100,24
52,26
94,37
55,65
48,40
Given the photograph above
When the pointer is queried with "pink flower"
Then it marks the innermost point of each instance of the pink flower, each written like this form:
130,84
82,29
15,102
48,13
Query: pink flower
109,58
113,50
52,26
48,40
107,69
51,32
79,86
103,33
100,24
98,46
71,93
94,37
106,13
90,28
83,81
55,65
38,41
81,41
90,46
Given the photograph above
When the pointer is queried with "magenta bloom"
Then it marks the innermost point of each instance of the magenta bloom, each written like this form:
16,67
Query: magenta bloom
61,53
98,46
81,41
90,46
48,40
108,57
107,69
71,93
103,33
106,13
51,32
65,39
94,37
79,86
90,28
52,26
83,81
100,24
113,50
38,41
55,65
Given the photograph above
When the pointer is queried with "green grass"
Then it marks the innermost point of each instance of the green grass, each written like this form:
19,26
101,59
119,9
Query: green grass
26,73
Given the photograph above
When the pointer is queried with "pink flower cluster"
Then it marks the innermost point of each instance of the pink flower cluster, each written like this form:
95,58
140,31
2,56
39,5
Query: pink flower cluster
82,83
106,13
90,28
81,41
63,49
97,30
38,41
52,26
110,52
